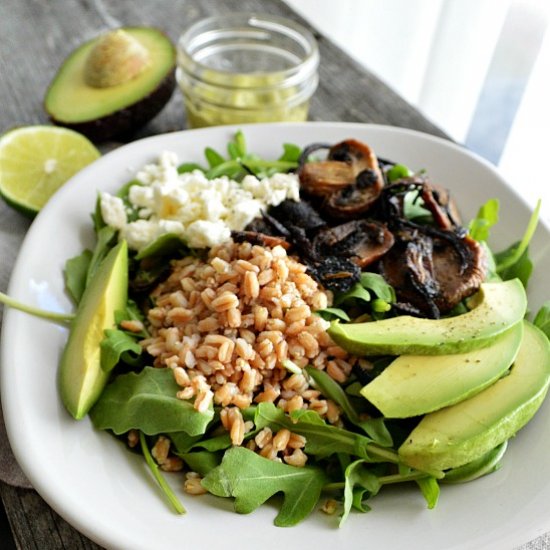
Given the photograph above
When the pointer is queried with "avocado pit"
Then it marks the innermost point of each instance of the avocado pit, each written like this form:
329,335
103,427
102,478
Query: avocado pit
116,58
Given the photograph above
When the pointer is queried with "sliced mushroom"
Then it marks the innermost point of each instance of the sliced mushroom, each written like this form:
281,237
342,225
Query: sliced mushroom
364,242
356,199
337,274
439,202
300,214
260,239
349,181
433,270
322,178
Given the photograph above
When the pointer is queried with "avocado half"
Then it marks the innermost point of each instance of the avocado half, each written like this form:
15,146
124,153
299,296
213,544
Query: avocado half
102,108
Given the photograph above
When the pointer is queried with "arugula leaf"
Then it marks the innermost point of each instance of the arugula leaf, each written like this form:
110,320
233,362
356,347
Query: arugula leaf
252,479
80,269
189,167
76,272
217,443
514,261
377,284
116,346
168,244
322,440
330,313
542,318
147,401
182,442
397,172
360,484
356,292
213,157
153,466
373,427
486,218
106,239
202,462
521,268
132,313
240,162
291,153
430,490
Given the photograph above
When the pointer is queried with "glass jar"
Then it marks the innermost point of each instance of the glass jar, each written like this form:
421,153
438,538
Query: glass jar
243,68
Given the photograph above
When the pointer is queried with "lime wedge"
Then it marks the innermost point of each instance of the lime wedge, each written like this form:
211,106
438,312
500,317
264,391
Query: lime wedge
36,160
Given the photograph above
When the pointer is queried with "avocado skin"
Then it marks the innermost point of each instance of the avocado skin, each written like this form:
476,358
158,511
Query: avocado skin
461,433
128,120
124,120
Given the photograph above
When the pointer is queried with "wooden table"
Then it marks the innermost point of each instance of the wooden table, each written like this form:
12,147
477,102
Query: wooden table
35,36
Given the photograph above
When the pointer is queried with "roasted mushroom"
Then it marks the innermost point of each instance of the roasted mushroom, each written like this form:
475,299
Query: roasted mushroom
337,274
443,208
300,214
347,183
433,270
364,242
261,239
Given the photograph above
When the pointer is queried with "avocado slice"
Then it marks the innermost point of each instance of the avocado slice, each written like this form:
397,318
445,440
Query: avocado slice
459,434
81,378
114,83
496,307
485,464
413,385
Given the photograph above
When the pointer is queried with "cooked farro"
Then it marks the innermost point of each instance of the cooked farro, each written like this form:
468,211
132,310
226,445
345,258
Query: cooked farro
227,325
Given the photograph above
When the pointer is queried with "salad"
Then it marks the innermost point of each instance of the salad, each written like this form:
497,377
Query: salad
233,361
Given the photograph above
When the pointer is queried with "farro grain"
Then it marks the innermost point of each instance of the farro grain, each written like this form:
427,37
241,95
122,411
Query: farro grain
132,325
329,506
242,401
281,439
192,486
203,400
172,464
318,405
261,315
263,437
335,371
236,431
296,441
234,317
186,393
242,266
224,394
269,452
160,449
181,376
333,412
297,458
224,301
295,403
266,277
133,438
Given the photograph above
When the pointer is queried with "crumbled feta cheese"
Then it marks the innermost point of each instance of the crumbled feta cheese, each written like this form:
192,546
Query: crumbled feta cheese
203,212
113,211
204,233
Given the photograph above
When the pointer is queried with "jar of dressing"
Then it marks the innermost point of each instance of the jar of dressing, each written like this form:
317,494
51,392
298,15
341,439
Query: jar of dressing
242,68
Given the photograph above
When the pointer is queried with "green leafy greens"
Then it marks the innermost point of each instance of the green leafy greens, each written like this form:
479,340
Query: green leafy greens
252,480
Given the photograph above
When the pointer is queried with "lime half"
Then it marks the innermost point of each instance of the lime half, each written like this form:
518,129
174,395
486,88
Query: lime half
35,161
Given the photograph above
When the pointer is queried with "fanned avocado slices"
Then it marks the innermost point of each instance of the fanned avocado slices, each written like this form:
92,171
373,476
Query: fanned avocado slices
113,84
